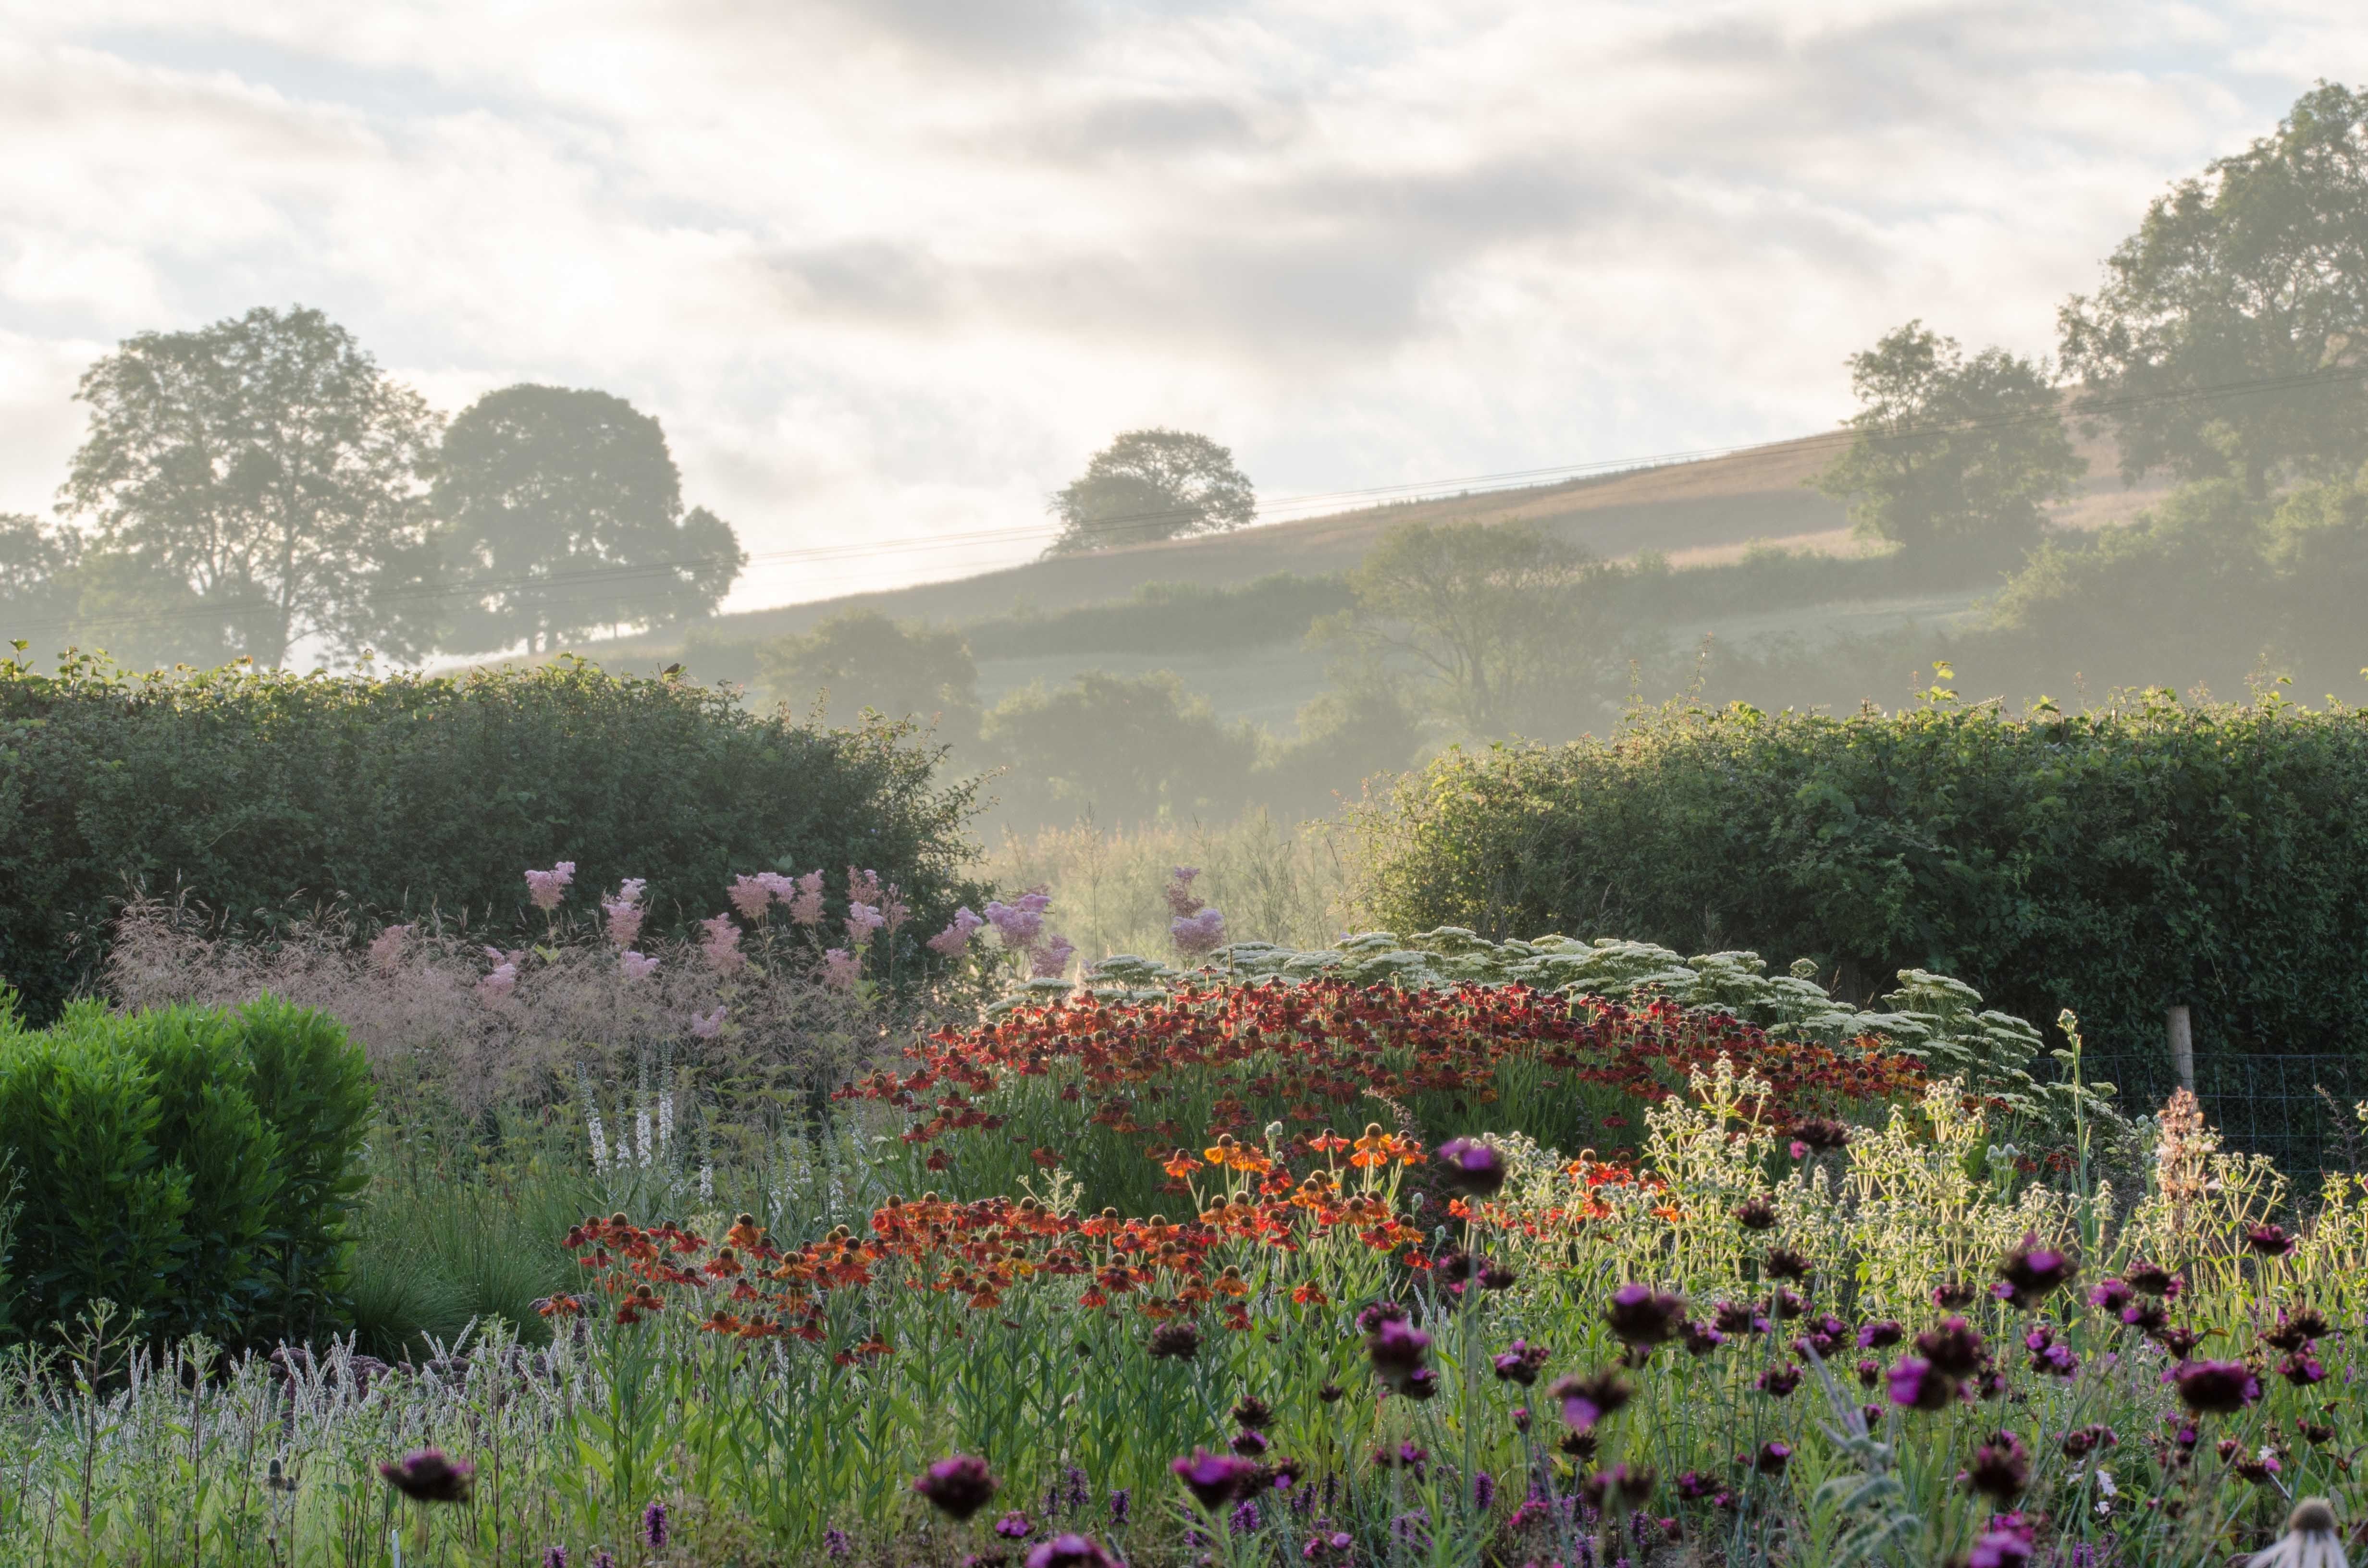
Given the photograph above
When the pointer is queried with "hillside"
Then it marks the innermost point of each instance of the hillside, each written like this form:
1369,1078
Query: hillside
1694,512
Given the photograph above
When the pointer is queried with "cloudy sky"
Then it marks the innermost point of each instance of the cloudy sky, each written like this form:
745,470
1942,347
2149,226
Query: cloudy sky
889,270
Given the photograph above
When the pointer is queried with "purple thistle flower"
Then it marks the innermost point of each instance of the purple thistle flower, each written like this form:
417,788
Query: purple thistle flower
2031,1272
425,1475
2001,1469
1472,1167
1881,1335
1641,1316
1212,1479
1071,1550
958,1486
2216,1387
1014,1525
1520,1362
1917,1384
1772,1458
1587,1399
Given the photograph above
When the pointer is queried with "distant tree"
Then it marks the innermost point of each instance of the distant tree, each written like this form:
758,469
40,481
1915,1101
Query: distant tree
1152,484
264,476
561,513
1120,749
2230,326
37,562
862,659
1952,454
1500,620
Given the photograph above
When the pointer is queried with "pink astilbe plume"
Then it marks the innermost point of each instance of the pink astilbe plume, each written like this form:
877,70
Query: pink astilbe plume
863,887
624,912
781,887
720,945
1050,961
636,966
499,984
861,921
894,910
386,947
806,907
1197,934
1182,901
951,941
1021,921
840,968
750,896
547,888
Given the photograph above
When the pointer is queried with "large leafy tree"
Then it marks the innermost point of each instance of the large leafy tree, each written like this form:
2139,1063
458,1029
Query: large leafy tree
37,560
561,513
1152,484
1951,455
1502,621
259,482
2228,336
862,659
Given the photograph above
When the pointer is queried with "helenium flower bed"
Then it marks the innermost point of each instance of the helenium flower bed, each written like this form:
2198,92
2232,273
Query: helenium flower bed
1766,1333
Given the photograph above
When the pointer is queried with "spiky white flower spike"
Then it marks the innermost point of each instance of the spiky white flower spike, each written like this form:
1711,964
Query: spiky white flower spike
2310,1540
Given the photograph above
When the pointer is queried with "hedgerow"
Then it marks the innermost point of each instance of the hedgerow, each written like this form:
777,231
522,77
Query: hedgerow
2116,862
263,795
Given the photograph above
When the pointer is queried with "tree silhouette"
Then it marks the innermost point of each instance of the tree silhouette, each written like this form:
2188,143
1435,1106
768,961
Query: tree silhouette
1152,484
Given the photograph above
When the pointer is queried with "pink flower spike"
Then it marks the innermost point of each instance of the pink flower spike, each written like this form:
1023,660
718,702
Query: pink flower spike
840,968
806,907
545,888
720,945
862,919
750,896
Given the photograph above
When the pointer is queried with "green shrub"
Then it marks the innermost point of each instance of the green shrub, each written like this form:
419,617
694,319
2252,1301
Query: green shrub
2114,863
194,1165
262,795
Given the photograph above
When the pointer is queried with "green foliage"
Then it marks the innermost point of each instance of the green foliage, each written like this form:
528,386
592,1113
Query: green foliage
1497,620
560,512
1169,617
1121,750
262,481
2225,339
861,659
194,1166
1152,484
1952,454
258,794
2113,863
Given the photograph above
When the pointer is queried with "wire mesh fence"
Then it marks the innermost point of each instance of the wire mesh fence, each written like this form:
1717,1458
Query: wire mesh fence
2297,1109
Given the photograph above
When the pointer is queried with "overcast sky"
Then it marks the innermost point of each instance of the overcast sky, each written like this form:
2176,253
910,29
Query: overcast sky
890,270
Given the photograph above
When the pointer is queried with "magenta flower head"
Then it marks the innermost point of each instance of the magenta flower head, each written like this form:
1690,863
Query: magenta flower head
2270,1241
1953,1348
2111,1296
1520,1362
1881,1335
1917,1384
1772,1458
425,1475
2152,1278
1177,1341
1398,1350
1618,1489
1071,1550
957,1487
2001,1469
2029,1274
1587,1399
1641,1316
1755,1214
1212,1479
2005,1544
2217,1387
1471,1167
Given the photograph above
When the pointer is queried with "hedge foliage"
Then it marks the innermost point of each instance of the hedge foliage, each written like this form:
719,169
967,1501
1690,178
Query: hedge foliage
2147,853
265,796
195,1166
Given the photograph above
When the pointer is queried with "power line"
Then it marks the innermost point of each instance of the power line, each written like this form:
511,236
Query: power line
1132,527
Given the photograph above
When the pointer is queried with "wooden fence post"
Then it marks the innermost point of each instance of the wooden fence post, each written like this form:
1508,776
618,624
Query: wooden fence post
2177,1026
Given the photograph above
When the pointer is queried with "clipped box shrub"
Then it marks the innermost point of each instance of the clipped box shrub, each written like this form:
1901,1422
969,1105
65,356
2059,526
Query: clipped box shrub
193,1166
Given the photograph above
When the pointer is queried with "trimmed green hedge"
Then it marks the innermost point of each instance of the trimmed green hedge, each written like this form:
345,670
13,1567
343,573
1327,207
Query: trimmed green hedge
264,796
193,1166
2114,863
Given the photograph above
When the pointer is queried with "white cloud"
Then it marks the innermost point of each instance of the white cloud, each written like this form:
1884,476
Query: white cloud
892,269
